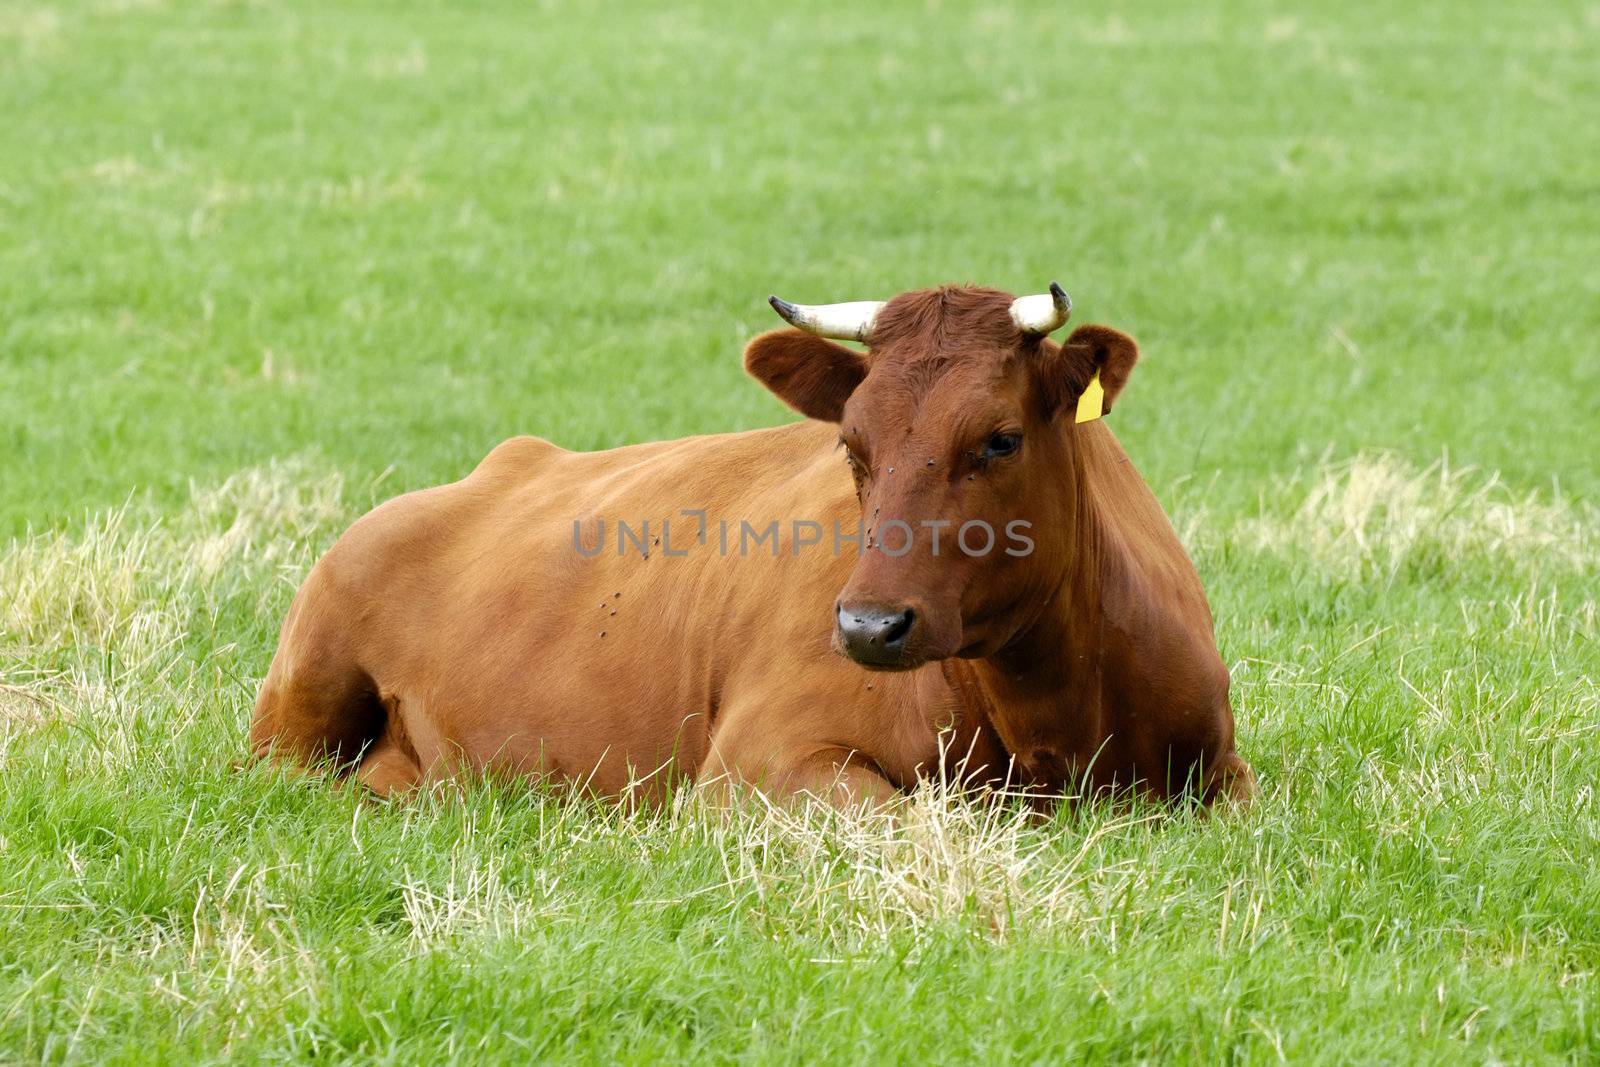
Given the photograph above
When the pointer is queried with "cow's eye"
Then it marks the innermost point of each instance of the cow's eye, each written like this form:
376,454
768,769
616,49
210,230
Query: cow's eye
1001,444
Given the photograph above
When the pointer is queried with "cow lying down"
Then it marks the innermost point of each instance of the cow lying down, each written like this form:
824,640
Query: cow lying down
941,571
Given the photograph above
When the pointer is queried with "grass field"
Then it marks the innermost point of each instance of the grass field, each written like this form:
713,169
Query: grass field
263,264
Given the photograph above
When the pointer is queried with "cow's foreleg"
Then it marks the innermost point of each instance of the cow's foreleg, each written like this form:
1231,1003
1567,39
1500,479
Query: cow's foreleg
843,779
833,775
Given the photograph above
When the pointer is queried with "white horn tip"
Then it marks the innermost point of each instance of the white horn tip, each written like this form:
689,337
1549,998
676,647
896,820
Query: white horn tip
1063,301
787,311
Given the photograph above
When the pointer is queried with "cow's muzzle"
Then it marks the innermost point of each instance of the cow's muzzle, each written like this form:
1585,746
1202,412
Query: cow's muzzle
876,636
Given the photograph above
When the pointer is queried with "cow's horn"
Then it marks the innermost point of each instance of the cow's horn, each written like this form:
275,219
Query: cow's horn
846,322
1042,312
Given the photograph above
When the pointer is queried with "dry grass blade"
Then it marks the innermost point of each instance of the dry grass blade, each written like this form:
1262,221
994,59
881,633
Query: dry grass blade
1377,513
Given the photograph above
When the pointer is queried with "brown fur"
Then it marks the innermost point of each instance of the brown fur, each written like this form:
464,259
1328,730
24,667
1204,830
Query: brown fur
457,630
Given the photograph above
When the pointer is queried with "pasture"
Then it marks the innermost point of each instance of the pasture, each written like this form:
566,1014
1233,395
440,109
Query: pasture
264,264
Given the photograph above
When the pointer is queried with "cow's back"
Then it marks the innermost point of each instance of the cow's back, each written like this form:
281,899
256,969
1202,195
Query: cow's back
495,629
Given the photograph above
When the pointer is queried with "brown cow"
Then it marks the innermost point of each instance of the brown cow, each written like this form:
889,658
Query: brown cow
527,619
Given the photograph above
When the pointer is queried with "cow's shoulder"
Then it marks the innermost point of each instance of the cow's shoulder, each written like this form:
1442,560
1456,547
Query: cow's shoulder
1149,586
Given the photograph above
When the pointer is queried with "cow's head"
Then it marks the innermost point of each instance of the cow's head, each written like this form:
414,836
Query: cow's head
958,417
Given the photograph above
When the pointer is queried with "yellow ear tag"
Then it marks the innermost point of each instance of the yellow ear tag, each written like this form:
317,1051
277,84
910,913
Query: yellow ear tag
1092,402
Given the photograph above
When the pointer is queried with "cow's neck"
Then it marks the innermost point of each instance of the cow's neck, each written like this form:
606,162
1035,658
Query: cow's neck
1041,693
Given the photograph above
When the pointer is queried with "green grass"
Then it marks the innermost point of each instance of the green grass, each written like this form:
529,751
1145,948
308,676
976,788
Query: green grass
264,264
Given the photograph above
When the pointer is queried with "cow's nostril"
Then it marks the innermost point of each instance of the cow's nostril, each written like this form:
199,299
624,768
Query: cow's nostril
875,636
898,628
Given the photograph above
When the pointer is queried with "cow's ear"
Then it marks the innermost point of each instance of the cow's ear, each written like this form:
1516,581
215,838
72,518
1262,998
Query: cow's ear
809,373
1069,369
